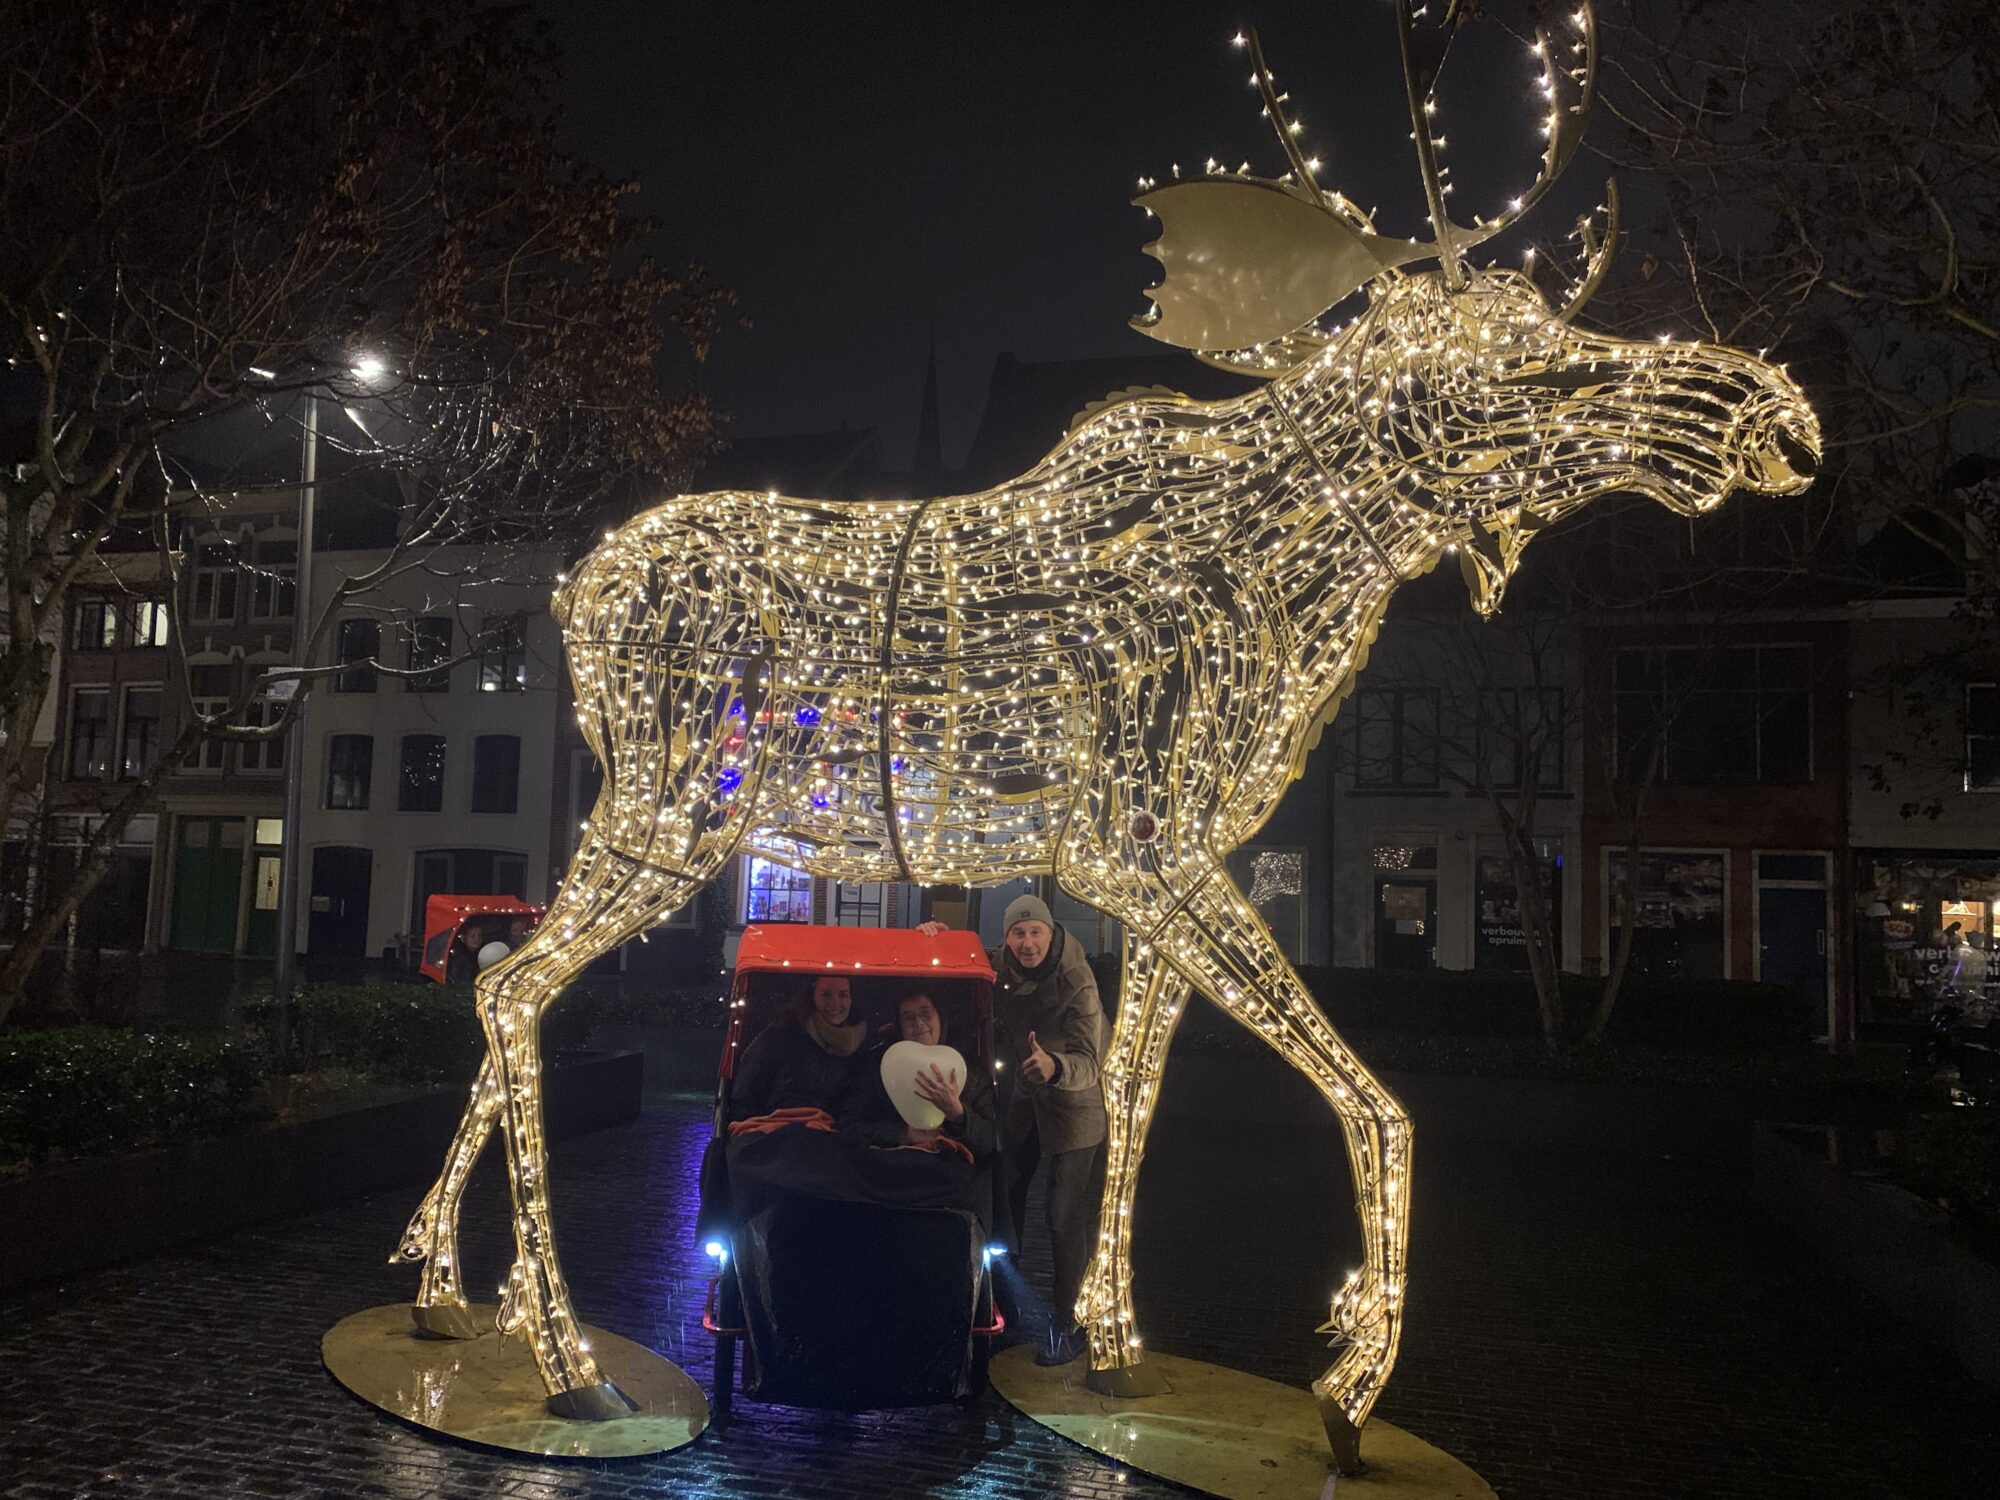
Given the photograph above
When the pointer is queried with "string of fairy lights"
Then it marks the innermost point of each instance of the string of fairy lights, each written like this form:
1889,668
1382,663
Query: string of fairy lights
1110,667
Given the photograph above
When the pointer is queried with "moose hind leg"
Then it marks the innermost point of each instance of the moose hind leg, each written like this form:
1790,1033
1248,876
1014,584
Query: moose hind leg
608,897
1221,944
1154,996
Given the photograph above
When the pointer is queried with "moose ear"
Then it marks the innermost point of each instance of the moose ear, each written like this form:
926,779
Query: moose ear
1248,262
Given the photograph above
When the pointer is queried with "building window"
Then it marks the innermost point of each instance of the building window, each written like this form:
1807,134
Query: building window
90,732
95,624
350,761
1395,739
211,689
429,653
139,748
151,622
1676,909
265,755
420,788
1519,727
496,773
1499,935
775,893
214,584
503,656
1739,716
274,580
1982,737
356,648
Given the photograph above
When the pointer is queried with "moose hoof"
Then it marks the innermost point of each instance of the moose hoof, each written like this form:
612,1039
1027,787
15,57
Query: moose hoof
1342,1436
602,1402
447,1320
1129,1380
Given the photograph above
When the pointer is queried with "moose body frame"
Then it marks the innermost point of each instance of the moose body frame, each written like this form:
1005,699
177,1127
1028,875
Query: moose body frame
1108,670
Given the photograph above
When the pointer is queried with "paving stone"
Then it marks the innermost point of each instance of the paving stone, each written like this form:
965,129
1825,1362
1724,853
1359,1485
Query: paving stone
1583,1323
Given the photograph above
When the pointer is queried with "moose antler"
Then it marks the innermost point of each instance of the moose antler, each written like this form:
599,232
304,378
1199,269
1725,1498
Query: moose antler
1564,123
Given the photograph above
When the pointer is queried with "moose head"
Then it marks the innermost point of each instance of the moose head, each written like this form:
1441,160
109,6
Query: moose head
1485,407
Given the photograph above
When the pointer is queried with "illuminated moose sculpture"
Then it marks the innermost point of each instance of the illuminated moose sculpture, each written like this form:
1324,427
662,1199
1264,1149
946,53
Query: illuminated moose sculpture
1109,668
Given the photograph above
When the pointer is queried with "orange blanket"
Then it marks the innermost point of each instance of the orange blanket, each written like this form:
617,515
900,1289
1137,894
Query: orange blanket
778,1119
938,1144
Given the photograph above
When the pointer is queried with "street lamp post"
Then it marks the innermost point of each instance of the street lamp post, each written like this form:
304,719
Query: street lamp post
295,748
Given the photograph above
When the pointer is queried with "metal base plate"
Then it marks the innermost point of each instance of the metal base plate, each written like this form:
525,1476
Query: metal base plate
1229,1434
486,1390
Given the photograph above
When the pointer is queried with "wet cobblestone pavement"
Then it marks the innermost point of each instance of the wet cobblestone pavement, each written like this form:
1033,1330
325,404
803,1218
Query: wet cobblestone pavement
1596,1320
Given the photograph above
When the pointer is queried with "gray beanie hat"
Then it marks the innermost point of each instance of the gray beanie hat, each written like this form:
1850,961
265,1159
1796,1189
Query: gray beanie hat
1028,909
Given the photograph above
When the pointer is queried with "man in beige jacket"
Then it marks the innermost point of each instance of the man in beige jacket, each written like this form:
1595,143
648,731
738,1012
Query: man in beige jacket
1048,1000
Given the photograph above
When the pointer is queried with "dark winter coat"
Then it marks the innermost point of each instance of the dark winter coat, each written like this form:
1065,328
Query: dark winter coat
1064,1013
787,1068
870,1116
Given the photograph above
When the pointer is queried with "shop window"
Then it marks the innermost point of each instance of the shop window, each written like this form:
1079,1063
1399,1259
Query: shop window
1520,729
90,732
357,646
420,787
503,656
214,594
1676,910
1395,739
1982,737
1715,718
139,740
151,622
1925,928
94,624
350,763
1273,881
274,579
860,905
429,655
496,773
775,893
1499,936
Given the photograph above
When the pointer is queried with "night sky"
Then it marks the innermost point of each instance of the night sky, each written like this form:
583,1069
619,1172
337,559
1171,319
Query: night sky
862,175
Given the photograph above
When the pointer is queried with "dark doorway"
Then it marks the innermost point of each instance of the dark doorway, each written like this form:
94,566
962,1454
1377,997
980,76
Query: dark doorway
1405,923
338,926
208,884
1791,936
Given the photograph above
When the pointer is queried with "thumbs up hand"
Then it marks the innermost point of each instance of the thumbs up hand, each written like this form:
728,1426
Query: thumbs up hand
1038,1066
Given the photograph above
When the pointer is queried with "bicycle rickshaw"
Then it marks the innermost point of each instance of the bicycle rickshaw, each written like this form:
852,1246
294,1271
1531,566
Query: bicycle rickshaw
839,1302
445,916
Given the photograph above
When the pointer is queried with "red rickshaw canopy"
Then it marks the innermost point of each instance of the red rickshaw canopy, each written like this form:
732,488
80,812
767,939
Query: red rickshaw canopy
892,952
444,915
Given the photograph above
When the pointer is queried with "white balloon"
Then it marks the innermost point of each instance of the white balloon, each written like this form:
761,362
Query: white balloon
492,953
900,1066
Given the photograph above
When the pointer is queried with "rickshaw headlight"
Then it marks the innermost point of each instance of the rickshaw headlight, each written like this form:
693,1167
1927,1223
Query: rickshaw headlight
716,1250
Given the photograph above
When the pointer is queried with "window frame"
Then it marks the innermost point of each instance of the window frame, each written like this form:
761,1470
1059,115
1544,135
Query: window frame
159,620
104,742
513,785
1763,703
365,780
107,633
357,674
274,585
503,657
1402,777
1972,736
405,786
435,675
220,576
264,757
123,770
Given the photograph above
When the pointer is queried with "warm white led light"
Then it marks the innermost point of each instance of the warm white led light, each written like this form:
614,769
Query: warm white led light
1108,669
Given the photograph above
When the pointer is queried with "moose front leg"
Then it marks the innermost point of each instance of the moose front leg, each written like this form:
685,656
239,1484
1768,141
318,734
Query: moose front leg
1217,940
440,1310
1153,997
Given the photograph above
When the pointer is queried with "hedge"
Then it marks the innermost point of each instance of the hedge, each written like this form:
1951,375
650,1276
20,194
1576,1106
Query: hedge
400,1033
80,1090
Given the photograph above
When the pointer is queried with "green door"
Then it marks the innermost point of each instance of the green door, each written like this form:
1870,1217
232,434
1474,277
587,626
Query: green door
208,882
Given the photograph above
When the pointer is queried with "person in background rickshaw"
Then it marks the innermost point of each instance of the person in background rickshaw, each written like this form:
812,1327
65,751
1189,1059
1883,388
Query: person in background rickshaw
805,1059
965,1096
1048,998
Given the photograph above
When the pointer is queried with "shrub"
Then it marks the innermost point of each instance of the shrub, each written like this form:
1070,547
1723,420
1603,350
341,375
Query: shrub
84,1089
403,1033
